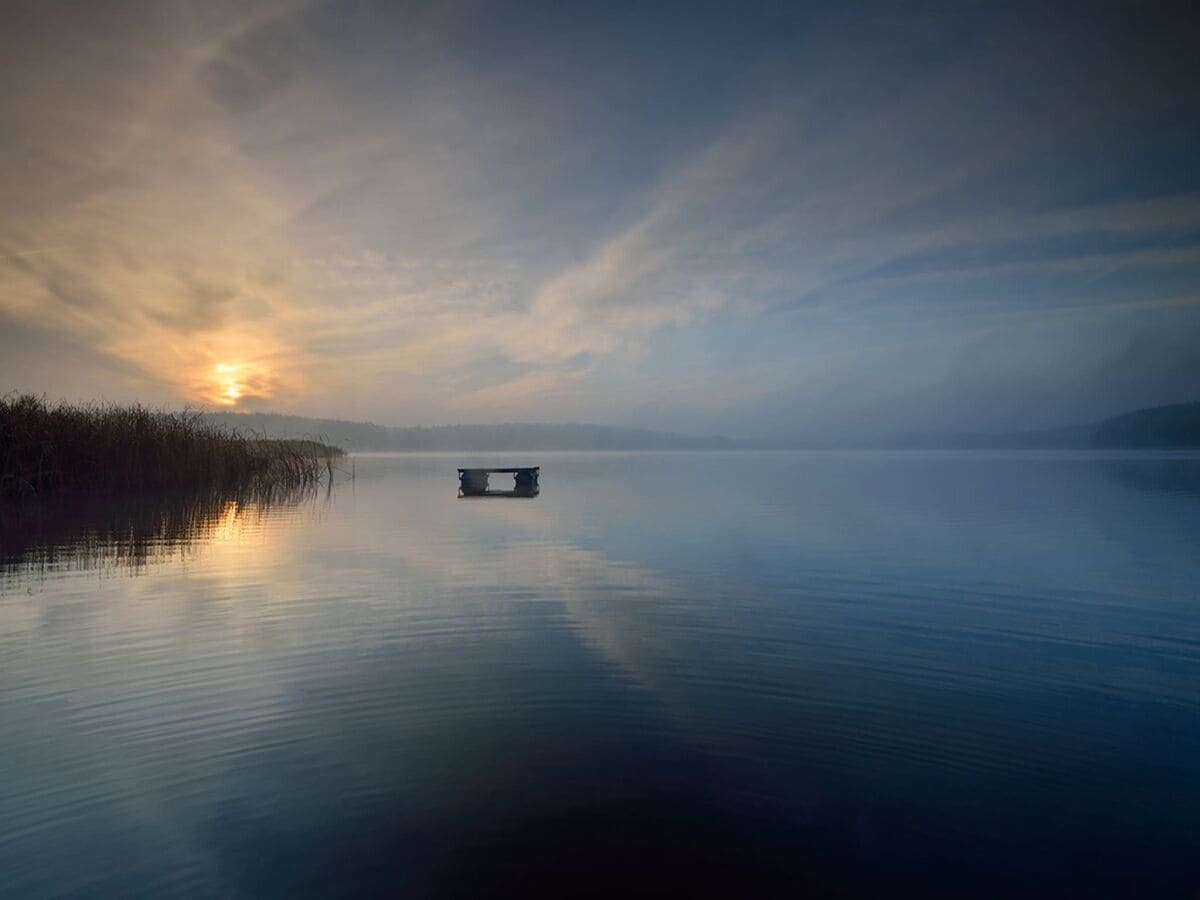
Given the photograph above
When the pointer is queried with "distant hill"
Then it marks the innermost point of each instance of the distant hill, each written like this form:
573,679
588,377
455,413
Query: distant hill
367,436
1175,426
1163,427
1072,437
1160,427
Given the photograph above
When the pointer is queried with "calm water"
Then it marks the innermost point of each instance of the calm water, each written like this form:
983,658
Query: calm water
855,674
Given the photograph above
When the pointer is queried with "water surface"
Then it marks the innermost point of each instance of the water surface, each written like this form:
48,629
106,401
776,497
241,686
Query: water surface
844,674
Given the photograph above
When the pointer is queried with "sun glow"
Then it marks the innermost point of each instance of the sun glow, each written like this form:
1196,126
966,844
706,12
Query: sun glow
228,383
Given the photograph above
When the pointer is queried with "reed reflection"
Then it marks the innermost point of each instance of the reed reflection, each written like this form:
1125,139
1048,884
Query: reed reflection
133,531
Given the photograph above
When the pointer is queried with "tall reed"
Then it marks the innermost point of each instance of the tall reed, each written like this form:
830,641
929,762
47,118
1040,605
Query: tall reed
54,448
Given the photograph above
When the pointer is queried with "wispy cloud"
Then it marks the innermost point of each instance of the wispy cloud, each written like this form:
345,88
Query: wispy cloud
376,213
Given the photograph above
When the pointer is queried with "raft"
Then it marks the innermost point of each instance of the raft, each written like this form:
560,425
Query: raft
474,482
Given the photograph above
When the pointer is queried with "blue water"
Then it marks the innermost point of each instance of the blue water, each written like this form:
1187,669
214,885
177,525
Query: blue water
778,673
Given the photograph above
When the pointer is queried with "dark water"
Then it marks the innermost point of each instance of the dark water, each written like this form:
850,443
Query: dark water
711,674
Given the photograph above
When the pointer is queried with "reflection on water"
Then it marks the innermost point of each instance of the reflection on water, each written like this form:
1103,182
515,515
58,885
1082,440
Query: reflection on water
1165,472
527,493
956,674
133,531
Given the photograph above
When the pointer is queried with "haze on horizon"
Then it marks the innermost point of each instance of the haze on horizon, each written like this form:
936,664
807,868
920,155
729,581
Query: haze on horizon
779,220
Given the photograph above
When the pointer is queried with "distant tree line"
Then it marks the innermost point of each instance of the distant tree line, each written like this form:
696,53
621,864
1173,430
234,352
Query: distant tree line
1166,427
367,436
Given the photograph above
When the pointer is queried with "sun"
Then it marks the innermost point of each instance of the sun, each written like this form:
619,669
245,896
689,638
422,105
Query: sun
229,382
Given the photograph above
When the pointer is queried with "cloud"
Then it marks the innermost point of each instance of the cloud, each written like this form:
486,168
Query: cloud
159,235
376,213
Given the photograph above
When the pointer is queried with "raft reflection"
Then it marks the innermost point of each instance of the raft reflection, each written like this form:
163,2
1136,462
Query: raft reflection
516,492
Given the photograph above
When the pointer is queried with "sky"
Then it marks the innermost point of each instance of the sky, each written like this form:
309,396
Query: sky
772,220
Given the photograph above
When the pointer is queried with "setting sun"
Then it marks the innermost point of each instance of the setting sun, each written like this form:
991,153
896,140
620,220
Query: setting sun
228,383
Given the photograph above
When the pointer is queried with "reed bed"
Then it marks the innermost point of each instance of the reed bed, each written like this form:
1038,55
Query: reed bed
50,449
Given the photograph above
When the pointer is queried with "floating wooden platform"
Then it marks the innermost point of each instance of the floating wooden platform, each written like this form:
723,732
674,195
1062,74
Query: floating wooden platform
474,482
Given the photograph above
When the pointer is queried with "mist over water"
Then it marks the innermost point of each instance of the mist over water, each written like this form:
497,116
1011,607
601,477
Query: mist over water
843,674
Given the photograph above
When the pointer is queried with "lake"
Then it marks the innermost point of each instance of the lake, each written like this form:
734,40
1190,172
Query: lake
844,674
